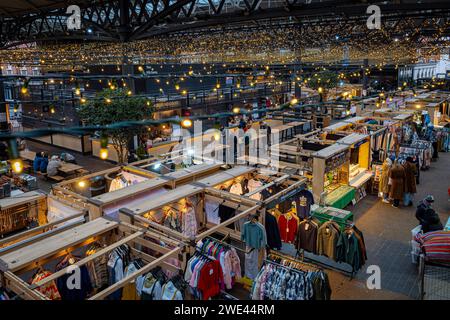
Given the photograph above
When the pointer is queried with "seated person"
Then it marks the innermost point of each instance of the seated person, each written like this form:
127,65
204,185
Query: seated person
37,162
67,157
428,218
44,163
53,165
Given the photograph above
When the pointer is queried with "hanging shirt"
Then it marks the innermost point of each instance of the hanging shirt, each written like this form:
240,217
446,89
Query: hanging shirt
226,213
307,236
288,226
189,223
49,289
210,278
69,293
303,204
253,185
212,212
254,235
236,188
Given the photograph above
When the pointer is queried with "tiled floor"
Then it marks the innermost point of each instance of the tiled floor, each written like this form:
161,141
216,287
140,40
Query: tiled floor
387,233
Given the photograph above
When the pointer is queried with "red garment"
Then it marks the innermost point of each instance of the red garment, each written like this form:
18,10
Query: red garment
288,228
210,279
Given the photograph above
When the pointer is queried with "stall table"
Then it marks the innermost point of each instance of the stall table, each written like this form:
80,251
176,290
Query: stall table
28,155
340,197
69,168
324,214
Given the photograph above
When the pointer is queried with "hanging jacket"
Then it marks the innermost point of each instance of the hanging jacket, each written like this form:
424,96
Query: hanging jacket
347,250
272,232
288,228
327,238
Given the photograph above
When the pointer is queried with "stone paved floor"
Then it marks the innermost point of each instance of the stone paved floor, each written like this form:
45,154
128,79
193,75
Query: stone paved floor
387,233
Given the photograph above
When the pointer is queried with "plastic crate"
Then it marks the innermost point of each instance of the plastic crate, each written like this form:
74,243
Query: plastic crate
415,231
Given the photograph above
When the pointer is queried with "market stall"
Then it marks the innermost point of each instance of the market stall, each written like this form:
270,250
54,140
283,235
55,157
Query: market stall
183,213
90,248
360,173
79,190
331,175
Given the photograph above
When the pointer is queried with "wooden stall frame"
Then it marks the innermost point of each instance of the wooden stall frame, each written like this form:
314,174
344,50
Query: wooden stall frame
35,233
100,227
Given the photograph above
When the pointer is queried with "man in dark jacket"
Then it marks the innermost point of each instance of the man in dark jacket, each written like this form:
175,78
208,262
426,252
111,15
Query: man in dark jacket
423,206
428,218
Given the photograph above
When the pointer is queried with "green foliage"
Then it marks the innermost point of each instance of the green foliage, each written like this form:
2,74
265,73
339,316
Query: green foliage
112,106
325,80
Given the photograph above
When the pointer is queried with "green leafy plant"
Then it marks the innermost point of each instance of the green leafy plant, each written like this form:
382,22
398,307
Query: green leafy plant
324,80
110,106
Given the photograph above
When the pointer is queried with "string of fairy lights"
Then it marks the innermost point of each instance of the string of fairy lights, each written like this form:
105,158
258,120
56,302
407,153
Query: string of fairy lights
258,48
394,43
185,122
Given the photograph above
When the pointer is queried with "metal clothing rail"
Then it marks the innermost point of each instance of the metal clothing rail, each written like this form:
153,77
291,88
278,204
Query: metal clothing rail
325,265
227,244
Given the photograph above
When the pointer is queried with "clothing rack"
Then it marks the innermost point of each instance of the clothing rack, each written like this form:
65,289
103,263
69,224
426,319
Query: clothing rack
325,265
312,256
278,255
227,244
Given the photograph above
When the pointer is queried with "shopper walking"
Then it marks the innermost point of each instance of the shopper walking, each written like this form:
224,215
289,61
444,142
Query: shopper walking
410,181
397,177
384,179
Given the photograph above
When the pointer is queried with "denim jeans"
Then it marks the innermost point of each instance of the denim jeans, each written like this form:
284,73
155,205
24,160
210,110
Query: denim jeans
408,198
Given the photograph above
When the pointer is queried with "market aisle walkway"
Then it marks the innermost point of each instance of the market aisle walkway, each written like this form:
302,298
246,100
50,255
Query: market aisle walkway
387,233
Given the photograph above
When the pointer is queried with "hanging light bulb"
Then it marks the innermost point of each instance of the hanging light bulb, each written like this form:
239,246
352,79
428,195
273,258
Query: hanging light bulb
83,100
177,87
24,90
186,123
236,110
294,101
104,147
129,92
77,91
82,184
17,165
16,162
52,109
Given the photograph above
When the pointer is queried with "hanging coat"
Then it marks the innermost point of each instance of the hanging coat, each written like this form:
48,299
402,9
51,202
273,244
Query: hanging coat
384,178
398,177
410,175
